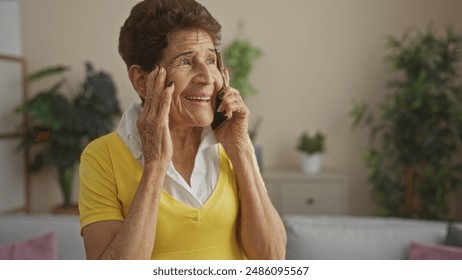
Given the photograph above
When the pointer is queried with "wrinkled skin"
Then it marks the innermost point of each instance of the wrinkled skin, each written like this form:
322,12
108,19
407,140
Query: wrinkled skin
190,63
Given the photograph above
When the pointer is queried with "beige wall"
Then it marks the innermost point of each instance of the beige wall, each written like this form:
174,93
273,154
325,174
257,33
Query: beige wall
318,57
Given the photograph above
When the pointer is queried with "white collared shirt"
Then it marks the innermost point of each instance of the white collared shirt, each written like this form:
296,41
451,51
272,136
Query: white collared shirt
206,166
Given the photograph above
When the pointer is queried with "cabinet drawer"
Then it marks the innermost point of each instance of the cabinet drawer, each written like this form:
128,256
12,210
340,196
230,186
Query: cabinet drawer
319,198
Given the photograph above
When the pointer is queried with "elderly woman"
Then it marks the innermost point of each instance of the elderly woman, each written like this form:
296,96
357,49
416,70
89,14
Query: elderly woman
165,185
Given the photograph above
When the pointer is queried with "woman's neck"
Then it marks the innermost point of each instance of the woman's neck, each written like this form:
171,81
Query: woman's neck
186,138
185,141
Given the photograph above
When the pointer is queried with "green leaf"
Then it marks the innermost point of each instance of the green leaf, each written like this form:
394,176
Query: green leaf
54,70
358,113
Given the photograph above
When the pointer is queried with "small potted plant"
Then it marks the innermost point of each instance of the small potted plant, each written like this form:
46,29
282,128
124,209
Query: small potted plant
312,148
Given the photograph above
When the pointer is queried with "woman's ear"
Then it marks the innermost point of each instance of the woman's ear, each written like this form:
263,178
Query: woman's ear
138,79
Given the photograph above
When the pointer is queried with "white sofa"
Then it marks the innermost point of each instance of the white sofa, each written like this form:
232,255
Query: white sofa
309,237
20,227
361,238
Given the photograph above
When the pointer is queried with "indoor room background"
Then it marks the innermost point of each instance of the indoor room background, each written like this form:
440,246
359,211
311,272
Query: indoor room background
318,56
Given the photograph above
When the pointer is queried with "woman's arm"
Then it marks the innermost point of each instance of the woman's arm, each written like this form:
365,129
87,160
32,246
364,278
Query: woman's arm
134,237
262,232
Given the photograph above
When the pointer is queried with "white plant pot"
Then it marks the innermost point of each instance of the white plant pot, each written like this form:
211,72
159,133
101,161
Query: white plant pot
311,164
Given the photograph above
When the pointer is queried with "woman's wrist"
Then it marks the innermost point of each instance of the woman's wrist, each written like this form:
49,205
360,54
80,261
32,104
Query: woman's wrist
236,153
239,148
155,168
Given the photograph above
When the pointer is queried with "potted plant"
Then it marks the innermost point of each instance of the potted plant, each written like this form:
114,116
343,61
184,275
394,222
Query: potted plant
61,124
312,148
239,57
412,157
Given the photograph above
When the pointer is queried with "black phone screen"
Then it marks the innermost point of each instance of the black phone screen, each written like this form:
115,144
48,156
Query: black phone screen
219,118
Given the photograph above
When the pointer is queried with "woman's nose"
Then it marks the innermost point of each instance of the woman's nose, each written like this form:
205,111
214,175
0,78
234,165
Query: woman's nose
203,75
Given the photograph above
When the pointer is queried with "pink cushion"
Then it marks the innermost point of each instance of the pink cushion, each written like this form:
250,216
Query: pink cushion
38,248
427,251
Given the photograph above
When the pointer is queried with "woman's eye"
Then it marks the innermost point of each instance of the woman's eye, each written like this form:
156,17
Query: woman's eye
185,61
211,60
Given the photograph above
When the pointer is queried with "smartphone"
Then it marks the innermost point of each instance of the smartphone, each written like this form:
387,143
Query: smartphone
219,118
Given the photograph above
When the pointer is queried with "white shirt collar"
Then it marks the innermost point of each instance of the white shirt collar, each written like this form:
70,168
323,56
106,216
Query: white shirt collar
128,131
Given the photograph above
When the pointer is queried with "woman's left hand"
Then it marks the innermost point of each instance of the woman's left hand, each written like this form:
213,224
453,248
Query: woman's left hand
234,133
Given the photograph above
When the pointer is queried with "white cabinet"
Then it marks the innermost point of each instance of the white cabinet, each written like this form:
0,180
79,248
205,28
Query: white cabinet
293,192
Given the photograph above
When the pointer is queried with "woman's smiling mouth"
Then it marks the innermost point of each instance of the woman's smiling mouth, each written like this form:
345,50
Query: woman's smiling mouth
198,99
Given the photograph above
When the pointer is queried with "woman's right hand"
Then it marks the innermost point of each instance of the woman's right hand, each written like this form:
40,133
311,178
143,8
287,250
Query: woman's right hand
152,123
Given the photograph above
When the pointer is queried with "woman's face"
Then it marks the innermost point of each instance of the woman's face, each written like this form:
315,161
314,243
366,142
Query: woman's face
190,62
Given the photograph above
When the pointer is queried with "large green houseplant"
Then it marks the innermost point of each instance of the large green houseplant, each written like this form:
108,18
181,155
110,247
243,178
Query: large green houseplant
414,154
62,123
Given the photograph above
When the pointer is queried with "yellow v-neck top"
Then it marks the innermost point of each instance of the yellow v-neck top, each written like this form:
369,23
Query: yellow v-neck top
109,179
